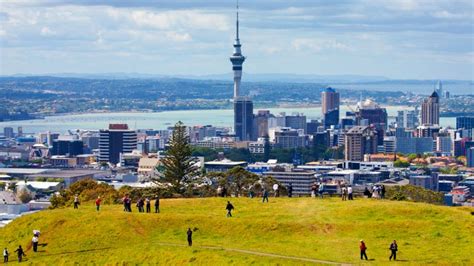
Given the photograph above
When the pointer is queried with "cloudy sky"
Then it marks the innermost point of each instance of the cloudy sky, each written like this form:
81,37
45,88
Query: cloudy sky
420,39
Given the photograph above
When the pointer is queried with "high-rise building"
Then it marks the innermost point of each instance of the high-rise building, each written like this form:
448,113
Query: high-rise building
373,113
466,122
260,124
67,147
115,141
289,138
243,118
8,132
330,106
444,144
296,121
407,119
360,140
470,157
430,110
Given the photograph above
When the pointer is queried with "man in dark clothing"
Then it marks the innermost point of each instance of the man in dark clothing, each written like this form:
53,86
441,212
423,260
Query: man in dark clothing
382,192
363,248
265,195
20,253
148,205
76,201
5,255
157,205
394,249
229,209
290,190
190,236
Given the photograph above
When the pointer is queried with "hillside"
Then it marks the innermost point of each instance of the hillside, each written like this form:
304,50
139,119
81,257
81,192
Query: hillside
327,230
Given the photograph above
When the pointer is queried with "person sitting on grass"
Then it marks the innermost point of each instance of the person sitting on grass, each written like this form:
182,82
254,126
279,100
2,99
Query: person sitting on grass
229,209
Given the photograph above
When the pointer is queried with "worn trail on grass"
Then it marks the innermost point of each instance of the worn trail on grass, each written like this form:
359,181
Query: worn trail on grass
257,253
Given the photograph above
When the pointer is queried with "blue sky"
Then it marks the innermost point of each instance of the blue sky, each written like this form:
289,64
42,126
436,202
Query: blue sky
408,39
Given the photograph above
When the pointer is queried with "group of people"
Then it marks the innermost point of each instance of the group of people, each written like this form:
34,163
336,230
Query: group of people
143,205
19,251
378,192
347,193
393,250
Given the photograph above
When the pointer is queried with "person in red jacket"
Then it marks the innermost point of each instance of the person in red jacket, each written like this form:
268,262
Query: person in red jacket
97,203
363,248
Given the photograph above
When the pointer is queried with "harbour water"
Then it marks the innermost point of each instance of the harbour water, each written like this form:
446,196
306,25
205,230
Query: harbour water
161,120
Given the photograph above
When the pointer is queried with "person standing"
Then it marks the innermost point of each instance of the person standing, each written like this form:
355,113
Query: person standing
20,253
363,248
5,255
34,241
393,249
321,190
275,189
229,209
290,190
350,193
265,195
344,193
190,237
382,192
157,205
76,201
97,203
148,205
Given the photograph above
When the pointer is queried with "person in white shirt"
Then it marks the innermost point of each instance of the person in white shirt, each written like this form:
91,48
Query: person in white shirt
349,192
5,255
275,189
35,243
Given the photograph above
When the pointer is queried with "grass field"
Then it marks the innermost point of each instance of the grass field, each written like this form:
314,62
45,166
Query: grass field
326,229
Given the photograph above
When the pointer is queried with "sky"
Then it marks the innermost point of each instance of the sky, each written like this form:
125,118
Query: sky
399,39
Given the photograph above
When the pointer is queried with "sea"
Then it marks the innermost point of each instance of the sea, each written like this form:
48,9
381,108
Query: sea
162,120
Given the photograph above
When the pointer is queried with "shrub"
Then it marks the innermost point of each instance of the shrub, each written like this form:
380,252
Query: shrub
414,193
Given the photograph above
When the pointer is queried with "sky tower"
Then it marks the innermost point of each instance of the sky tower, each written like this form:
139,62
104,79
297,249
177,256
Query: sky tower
237,58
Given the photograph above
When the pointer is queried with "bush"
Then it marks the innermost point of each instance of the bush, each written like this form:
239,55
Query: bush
25,196
414,193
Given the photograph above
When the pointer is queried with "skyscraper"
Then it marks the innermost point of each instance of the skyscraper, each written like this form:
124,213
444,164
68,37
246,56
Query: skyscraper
430,110
466,122
116,140
330,106
243,106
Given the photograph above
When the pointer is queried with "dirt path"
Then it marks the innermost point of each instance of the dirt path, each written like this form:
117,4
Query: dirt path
256,253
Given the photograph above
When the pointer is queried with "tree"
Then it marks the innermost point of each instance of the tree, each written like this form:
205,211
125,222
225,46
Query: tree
178,163
25,196
401,164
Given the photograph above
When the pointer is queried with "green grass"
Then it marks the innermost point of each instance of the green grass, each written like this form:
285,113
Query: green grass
326,229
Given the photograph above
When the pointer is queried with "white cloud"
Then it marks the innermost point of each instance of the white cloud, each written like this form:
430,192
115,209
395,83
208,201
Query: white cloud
317,45
179,37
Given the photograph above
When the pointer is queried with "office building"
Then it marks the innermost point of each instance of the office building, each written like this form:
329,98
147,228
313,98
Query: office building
296,121
407,145
430,110
444,144
260,124
8,132
67,147
115,141
300,181
373,113
465,122
243,118
407,119
425,181
360,140
288,138
330,106
470,157
425,131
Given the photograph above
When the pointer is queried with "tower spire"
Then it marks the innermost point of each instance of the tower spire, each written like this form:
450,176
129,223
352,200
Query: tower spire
237,22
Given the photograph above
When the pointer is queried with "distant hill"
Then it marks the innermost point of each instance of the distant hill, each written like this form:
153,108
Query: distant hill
302,228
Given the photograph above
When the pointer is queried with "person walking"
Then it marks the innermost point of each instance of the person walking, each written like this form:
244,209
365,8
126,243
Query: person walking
34,241
76,201
321,190
148,205
97,203
157,204
5,255
350,193
19,251
275,190
190,237
229,209
363,248
344,193
314,187
265,195
393,249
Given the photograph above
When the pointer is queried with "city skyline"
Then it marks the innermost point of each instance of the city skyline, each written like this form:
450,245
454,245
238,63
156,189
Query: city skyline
397,39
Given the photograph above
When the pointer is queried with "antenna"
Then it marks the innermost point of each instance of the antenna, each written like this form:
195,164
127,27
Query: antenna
237,21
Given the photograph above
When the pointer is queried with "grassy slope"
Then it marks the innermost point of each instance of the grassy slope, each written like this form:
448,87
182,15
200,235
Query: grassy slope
322,229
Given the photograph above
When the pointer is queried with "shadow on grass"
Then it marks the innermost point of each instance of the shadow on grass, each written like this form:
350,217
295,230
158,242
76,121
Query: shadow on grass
74,252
